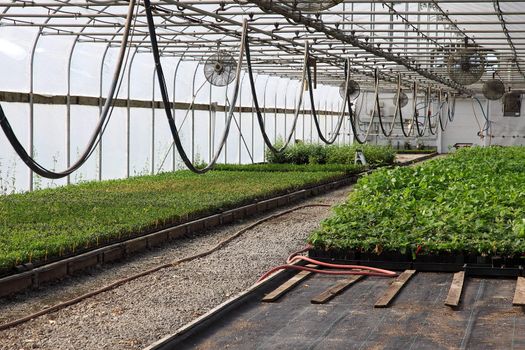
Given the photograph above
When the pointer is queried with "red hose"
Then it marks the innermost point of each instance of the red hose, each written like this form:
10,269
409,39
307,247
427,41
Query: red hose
347,269
337,266
305,249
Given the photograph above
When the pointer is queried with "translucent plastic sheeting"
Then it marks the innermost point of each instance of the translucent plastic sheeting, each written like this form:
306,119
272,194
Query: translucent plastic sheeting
49,140
141,76
140,142
114,146
85,69
149,141
13,172
83,118
15,58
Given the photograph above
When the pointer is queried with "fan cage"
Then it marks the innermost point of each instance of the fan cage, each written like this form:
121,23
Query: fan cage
310,5
353,90
219,69
493,89
403,99
466,66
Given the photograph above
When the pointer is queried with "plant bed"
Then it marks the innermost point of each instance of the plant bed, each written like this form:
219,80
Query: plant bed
52,224
468,208
268,167
306,153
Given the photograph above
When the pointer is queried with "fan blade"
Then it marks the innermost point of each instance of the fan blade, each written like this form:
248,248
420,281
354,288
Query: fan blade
219,69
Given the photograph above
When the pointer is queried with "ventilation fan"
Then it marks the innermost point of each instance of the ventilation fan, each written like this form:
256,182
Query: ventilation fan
353,90
403,99
493,89
219,68
310,5
466,66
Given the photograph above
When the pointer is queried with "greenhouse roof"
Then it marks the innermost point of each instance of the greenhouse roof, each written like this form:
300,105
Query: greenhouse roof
413,39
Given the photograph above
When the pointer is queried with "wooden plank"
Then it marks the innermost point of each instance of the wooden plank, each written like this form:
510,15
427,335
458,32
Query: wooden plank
394,288
336,289
24,97
519,293
456,287
288,285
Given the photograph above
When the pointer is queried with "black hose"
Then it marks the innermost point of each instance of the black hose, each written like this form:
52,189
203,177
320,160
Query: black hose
378,107
353,124
403,130
314,112
429,114
97,133
419,132
451,116
260,118
167,103
440,116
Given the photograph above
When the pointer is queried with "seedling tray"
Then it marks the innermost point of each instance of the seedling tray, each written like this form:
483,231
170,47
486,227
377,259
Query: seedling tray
475,265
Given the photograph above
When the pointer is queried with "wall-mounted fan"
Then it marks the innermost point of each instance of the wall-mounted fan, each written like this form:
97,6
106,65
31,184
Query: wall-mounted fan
493,89
310,5
219,68
466,66
353,90
403,99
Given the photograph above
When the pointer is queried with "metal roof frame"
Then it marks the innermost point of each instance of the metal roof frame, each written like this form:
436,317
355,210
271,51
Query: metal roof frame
410,37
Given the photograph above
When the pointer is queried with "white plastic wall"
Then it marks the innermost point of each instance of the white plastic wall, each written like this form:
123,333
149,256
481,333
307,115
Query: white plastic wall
469,120
464,128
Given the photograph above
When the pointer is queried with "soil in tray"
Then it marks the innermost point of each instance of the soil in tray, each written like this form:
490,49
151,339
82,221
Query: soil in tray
457,259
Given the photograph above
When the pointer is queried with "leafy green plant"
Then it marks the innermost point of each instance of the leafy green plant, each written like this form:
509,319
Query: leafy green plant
344,168
305,153
378,155
470,202
340,154
50,223
277,158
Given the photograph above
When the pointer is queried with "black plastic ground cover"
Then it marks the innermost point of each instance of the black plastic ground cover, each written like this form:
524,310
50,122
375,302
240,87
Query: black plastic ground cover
417,318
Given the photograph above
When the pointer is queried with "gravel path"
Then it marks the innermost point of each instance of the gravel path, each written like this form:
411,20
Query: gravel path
144,310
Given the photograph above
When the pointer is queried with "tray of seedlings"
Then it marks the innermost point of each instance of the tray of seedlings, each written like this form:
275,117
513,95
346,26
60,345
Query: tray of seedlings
462,212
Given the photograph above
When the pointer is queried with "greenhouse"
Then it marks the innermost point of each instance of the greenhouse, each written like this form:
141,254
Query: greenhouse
262,174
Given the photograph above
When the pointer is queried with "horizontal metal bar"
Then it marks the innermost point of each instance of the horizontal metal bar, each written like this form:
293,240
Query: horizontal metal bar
264,22
281,31
21,97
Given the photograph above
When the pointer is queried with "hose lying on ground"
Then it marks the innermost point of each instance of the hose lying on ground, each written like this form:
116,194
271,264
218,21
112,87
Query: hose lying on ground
343,269
125,280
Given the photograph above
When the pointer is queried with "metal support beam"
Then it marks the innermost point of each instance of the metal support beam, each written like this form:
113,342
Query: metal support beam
309,22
